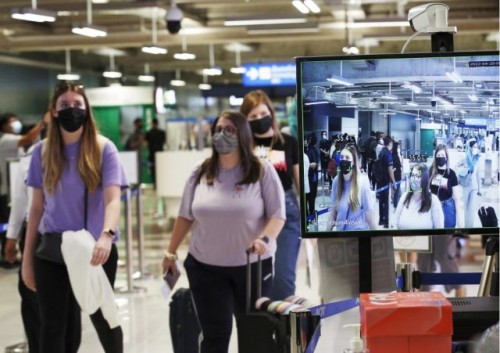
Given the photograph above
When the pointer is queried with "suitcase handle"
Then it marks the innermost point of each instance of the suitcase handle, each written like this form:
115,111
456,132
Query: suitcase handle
249,280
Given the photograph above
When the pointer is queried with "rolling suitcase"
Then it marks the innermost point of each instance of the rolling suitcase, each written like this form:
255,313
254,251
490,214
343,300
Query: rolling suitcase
261,331
184,325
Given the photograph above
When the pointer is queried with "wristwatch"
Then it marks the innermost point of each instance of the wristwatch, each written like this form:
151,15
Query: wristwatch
264,238
109,232
171,256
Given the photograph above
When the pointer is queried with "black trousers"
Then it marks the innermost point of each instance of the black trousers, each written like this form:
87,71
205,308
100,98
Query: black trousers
383,206
58,307
219,292
4,218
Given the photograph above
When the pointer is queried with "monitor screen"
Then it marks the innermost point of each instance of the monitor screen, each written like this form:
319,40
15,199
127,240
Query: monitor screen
403,144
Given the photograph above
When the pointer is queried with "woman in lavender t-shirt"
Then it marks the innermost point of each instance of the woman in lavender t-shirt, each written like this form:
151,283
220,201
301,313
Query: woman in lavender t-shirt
232,202
73,158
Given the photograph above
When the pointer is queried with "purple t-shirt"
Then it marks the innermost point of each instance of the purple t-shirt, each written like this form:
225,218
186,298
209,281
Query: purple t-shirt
64,209
228,217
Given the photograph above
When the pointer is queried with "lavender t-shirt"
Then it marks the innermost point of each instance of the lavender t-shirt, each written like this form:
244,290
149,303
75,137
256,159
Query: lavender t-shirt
64,209
228,217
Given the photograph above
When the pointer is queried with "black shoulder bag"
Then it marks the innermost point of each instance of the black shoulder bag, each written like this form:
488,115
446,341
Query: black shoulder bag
50,244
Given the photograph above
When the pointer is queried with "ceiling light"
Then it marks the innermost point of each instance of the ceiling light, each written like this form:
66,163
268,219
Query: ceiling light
473,97
382,23
33,14
205,86
454,76
184,55
68,75
412,104
317,102
263,21
280,29
299,5
146,78
340,81
351,50
112,72
100,1
312,6
235,101
88,29
153,48
177,81
389,96
416,88
238,69
213,70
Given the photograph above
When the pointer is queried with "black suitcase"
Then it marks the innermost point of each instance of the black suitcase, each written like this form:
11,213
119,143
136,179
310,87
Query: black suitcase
184,325
261,331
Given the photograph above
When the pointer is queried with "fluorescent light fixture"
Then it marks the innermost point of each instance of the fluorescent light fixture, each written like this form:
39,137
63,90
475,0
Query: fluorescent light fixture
68,77
184,56
416,88
89,30
263,21
235,101
388,113
299,5
212,71
339,81
33,14
473,97
281,29
389,96
178,83
412,104
100,1
153,49
317,102
146,78
312,6
382,23
239,70
205,86
454,76
112,74
351,50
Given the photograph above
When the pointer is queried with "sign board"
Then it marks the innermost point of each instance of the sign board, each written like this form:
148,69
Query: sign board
130,164
421,243
269,74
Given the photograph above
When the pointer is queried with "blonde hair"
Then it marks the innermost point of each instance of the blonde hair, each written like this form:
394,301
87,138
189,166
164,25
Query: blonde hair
354,202
53,159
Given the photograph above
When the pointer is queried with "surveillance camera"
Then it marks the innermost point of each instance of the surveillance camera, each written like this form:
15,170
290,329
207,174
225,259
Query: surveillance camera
433,103
430,18
174,17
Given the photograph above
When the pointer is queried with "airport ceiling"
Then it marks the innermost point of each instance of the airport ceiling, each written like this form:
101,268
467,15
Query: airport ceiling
129,24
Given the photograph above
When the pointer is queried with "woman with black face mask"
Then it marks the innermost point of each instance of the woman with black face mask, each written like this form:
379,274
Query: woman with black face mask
353,202
76,177
282,152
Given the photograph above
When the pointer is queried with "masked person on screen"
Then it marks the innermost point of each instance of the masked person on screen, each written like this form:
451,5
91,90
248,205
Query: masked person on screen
443,184
73,166
418,207
283,152
232,202
353,202
470,180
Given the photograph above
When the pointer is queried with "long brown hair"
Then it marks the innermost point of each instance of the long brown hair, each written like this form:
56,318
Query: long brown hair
354,202
53,159
255,98
251,165
434,167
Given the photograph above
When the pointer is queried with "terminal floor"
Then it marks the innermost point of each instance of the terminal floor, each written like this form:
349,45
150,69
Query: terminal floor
144,311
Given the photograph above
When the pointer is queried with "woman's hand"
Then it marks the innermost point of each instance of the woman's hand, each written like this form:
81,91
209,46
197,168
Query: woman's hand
28,274
101,251
258,246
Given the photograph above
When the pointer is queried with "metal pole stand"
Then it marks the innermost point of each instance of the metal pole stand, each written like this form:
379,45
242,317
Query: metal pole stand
489,279
302,327
140,231
405,270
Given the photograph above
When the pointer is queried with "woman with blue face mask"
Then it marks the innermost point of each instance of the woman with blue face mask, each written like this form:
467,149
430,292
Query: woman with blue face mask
471,189
418,208
232,202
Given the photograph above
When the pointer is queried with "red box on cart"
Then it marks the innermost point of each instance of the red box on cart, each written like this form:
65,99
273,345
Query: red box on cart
414,322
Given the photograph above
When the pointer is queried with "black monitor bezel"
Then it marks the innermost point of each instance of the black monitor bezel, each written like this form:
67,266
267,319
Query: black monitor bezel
300,124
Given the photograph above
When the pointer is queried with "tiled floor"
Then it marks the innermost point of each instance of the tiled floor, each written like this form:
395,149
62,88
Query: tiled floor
144,312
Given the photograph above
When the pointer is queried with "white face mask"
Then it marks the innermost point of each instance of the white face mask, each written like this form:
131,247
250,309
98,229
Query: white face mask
16,127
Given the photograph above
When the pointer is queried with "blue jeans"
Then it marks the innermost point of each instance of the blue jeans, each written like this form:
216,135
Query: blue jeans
450,213
287,252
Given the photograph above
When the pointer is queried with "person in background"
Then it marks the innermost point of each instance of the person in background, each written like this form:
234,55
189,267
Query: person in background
232,202
282,151
419,209
369,156
156,139
353,202
71,163
312,174
324,154
385,181
444,184
136,139
471,191
397,164
10,143
16,235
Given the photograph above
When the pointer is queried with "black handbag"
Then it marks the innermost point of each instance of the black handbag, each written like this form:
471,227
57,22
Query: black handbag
50,243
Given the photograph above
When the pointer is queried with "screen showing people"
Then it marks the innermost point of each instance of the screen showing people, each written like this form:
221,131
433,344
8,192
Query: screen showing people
400,143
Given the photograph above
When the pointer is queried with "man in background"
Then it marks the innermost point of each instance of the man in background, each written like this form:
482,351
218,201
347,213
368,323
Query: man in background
156,139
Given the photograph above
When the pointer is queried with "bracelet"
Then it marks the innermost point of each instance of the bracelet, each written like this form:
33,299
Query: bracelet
170,256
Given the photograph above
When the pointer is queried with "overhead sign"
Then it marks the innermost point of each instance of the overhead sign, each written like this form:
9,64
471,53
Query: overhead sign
269,74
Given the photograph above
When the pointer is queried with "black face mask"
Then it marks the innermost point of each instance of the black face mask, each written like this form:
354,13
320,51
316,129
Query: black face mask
71,119
261,126
345,167
441,161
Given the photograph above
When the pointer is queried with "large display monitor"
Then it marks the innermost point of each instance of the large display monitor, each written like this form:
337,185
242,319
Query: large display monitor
421,101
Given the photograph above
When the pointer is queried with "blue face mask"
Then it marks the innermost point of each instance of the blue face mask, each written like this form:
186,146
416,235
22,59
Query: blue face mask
224,144
415,185
16,127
